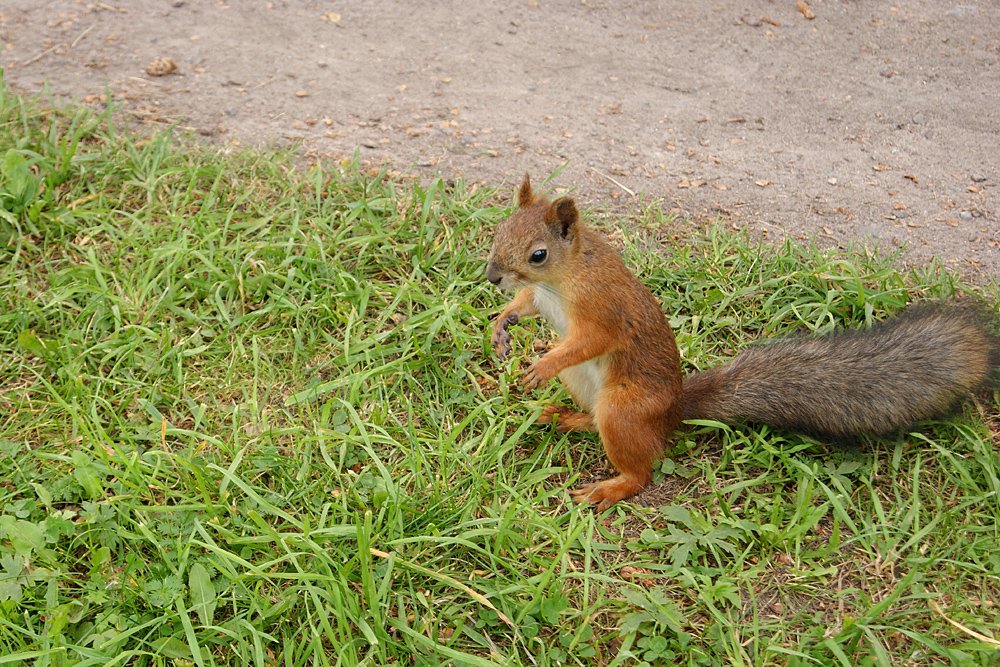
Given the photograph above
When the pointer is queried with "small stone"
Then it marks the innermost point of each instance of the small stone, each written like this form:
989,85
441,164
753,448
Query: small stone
919,118
961,10
978,178
965,215
832,180
901,214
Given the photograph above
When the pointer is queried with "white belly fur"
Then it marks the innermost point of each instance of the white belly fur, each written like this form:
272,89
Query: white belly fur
584,381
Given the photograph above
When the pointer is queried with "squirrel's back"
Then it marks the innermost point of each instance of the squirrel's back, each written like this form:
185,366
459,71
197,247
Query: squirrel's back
917,366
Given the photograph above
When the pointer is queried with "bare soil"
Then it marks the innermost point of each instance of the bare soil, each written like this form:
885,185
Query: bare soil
872,122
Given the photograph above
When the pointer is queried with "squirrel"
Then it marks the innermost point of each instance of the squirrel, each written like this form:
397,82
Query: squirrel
619,361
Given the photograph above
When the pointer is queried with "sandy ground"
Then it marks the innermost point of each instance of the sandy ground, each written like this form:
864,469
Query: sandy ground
873,122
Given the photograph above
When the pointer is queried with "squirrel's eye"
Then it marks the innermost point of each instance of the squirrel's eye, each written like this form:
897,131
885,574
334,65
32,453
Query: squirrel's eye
538,256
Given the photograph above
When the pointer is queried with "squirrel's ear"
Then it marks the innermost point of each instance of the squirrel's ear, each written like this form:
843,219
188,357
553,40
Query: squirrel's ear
563,216
525,196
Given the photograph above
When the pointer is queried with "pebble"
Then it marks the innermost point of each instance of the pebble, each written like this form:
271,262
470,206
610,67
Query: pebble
961,10
918,118
965,215
901,214
978,178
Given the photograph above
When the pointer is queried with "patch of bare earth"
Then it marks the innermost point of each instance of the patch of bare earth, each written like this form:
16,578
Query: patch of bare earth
845,121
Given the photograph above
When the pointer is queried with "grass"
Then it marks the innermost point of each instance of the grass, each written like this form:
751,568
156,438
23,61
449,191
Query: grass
248,415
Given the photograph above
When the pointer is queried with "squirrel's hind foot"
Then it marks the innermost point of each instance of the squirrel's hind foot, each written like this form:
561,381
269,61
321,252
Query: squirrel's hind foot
566,419
608,492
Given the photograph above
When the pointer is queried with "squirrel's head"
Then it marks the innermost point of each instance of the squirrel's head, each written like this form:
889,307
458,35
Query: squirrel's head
531,245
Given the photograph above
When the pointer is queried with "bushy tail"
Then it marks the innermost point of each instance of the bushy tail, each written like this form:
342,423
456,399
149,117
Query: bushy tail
919,365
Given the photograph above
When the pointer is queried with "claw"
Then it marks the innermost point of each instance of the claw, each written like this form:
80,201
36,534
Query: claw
501,337
535,376
606,493
530,380
564,419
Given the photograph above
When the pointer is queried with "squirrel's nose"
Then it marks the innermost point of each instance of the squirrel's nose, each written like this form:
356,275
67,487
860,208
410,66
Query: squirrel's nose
492,274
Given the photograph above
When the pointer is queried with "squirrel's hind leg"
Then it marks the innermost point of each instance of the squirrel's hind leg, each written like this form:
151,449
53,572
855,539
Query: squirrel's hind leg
567,419
629,449
633,438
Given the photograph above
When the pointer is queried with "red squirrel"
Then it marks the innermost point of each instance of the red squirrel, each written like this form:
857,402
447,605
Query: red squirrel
619,361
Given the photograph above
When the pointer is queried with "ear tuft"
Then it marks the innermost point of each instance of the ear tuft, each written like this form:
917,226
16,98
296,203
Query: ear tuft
563,215
525,196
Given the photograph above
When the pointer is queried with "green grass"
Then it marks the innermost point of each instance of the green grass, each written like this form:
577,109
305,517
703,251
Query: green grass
248,415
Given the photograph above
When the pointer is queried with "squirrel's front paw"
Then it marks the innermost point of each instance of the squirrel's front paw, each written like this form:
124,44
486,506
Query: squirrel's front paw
537,375
501,337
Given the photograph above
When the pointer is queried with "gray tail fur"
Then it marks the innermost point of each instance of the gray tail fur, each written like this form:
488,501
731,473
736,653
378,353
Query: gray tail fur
917,366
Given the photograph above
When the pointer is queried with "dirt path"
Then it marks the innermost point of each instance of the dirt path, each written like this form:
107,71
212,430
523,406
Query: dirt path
872,122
